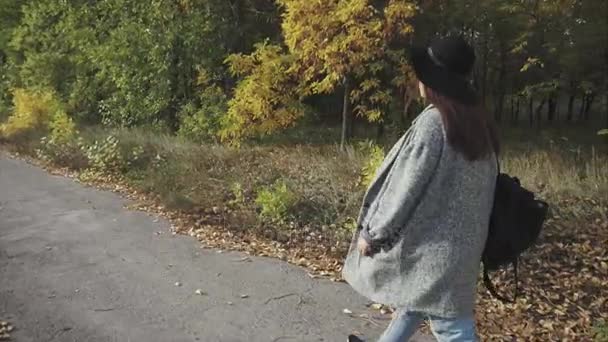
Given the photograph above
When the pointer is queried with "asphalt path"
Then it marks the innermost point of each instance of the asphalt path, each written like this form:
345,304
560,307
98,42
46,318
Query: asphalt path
75,265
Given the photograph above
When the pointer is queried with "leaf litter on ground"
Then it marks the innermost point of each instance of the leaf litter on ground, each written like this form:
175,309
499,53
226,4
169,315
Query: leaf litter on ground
563,278
5,330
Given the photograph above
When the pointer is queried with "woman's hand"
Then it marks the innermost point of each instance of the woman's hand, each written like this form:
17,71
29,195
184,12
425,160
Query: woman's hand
364,247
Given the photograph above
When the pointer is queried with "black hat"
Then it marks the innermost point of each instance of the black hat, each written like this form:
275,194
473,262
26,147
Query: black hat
446,66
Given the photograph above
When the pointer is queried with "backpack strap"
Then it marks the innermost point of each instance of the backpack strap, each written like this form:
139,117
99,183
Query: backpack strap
492,289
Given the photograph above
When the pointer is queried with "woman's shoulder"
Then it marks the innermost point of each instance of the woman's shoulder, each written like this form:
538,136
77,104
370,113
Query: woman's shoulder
429,124
429,116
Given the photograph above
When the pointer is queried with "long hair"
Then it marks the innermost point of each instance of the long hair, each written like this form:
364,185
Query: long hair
469,128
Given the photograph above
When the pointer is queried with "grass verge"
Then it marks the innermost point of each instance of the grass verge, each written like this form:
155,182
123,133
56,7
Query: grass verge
298,203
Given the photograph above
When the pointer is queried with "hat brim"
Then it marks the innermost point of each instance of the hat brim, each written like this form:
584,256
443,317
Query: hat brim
441,80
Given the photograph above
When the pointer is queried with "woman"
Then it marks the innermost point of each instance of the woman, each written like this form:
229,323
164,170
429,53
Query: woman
425,218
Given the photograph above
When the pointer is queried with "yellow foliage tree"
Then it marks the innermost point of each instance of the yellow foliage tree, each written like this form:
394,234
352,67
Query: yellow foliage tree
266,99
32,111
63,128
349,43
345,44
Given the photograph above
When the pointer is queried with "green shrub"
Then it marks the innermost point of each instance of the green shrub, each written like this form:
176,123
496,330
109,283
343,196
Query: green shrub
5,94
63,129
33,111
275,202
201,122
62,147
105,156
601,331
137,157
68,154
373,160
238,194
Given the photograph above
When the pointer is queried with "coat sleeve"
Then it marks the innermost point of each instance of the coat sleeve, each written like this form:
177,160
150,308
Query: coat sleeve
406,182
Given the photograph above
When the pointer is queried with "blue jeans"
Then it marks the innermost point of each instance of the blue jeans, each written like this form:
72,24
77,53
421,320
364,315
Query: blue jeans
405,324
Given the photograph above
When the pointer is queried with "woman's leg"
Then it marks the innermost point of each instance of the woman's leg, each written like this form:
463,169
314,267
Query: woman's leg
454,330
402,327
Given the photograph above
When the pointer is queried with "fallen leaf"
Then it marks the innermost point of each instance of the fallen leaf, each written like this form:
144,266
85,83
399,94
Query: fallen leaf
376,306
562,275
245,259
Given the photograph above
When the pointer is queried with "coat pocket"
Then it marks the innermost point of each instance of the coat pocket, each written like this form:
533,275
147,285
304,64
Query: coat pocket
367,275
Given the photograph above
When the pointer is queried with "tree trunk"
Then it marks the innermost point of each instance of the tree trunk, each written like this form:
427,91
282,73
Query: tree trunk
581,112
517,110
484,79
552,108
539,110
606,108
174,86
380,130
502,84
571,107
408,99
588,106
531,112
500,106
347,116
512,108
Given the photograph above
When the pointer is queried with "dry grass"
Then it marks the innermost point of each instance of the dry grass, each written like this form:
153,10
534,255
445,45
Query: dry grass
560,172
562,277
325,180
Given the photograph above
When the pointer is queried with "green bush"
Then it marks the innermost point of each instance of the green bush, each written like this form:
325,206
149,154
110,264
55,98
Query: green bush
62,146
374,157
238,194
137,157
201,122
63,129
33,111
5,94
601,332
275,202
68,154
105,156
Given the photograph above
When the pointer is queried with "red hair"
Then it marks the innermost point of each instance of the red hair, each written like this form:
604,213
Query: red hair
469,129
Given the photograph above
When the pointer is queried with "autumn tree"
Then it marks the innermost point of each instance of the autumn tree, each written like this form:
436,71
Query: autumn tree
266,99
354,46
10,16
130,63
347,44
126,62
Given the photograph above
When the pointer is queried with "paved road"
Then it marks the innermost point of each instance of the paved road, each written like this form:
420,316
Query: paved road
76,266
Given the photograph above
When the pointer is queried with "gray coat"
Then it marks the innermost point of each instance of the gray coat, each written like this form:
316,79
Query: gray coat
426,215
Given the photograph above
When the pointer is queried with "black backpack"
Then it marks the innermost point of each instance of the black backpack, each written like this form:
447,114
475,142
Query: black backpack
515,224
